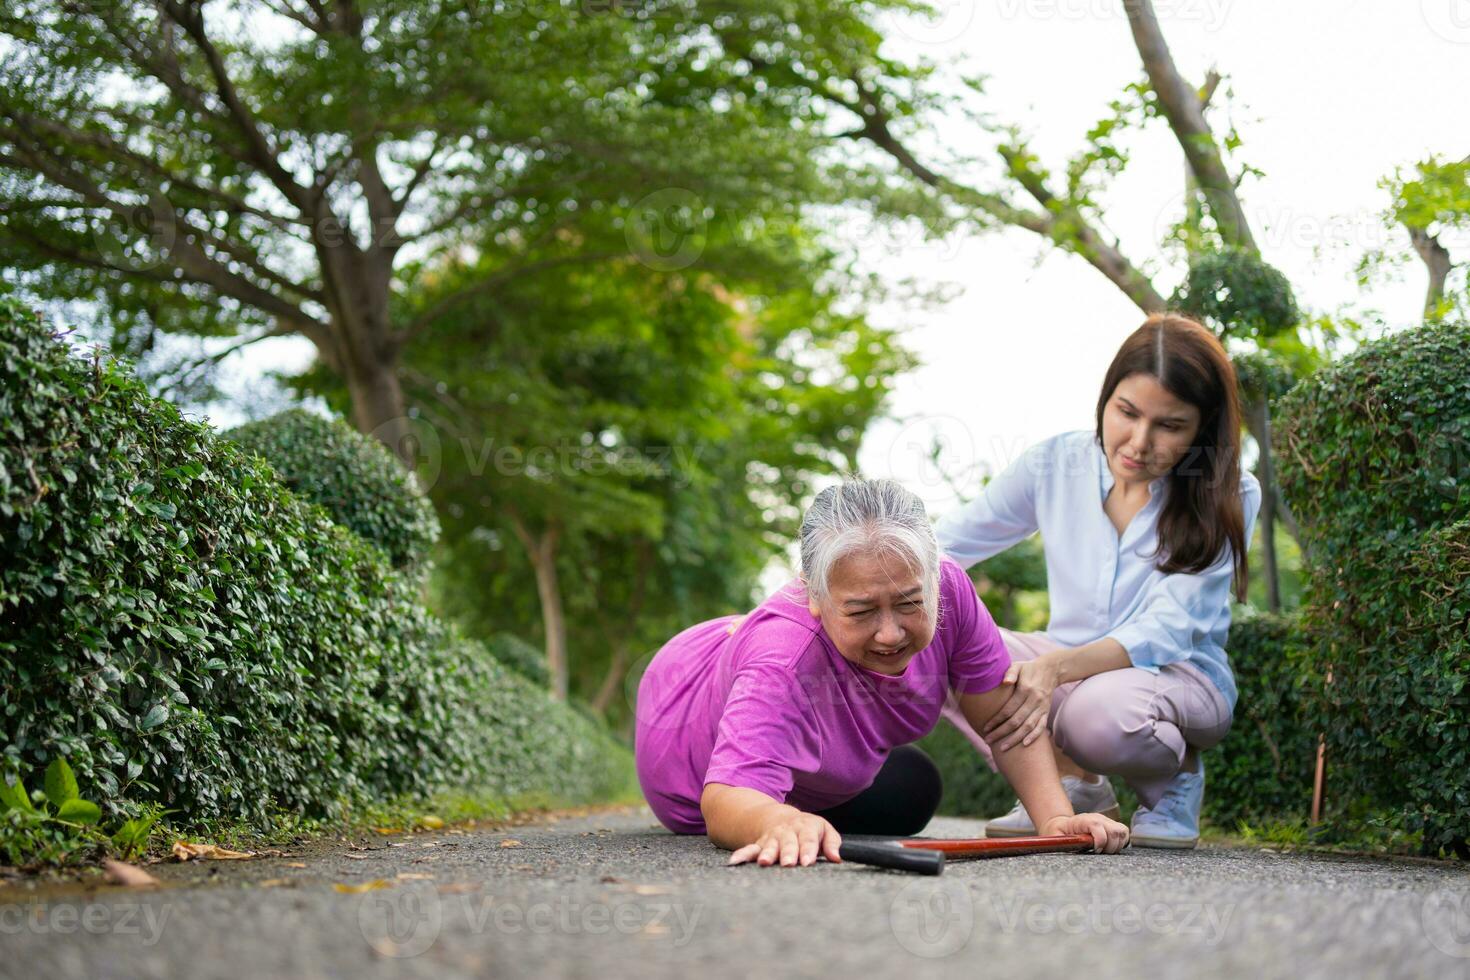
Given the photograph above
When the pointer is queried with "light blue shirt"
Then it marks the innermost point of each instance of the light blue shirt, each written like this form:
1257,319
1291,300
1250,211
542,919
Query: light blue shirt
1102,584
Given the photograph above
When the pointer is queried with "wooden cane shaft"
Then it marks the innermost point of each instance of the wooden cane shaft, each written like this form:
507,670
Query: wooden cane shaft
984,847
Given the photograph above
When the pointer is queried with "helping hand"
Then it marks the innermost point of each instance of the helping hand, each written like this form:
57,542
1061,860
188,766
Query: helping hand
1022,719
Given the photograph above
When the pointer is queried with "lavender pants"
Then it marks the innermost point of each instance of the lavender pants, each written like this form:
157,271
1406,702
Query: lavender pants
1133,723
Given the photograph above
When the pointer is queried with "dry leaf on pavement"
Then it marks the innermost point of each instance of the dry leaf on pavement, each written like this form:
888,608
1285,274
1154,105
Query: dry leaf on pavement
366,886
184,851
127,874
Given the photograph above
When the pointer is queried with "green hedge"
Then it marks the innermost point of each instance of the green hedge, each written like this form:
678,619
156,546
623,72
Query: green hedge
186,631
353,476
1375,466
1262,772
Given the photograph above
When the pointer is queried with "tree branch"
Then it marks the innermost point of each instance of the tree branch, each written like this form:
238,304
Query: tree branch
1182,108
1068,229
191,19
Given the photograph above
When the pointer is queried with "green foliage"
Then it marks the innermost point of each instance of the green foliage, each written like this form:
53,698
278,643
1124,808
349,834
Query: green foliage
524,658
970,788
131,839
371,146
1375,465
190,634
657,431
1263,770
1376,449
1238,295
1012,585
52,825
362,486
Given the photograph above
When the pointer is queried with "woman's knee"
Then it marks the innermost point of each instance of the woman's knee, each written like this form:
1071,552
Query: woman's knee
1101,732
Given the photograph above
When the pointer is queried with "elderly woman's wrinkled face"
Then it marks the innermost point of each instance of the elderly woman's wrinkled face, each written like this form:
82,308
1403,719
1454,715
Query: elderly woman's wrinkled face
875,613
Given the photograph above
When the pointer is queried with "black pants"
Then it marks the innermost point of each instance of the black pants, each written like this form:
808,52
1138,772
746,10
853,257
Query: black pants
901,801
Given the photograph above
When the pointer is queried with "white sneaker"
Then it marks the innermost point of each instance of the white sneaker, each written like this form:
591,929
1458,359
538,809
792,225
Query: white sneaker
1085,797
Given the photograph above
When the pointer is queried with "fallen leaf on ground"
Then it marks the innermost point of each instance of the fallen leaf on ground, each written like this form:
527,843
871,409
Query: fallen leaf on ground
646,889
385,947
415,876
127,874
356,857
431,821
295,864
389,830
510,842
184,851
274,882
366,886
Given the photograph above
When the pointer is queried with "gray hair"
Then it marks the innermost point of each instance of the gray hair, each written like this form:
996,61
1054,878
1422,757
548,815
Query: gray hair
874,516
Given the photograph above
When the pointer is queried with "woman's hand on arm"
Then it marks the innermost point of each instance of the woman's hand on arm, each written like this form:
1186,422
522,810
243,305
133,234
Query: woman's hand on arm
756,827
1030,683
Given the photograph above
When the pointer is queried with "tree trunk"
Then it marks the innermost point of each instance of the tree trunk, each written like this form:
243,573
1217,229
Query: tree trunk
1437,260
378,409
612,680
1266,472
1182,106
542,552
618,668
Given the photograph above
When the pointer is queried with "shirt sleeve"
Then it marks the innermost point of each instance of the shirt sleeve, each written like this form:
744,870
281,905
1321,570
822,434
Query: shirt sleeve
1003,514
1182,609
978,657
767,733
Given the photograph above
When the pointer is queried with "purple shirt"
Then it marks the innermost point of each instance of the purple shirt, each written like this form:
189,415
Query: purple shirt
774,707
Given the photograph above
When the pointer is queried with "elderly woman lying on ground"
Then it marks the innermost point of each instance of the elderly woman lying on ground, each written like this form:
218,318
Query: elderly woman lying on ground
777,732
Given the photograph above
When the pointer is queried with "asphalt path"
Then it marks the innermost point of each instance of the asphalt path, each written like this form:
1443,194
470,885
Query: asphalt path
608,894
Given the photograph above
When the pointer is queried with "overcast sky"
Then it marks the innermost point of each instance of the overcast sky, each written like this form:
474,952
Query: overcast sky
1330,97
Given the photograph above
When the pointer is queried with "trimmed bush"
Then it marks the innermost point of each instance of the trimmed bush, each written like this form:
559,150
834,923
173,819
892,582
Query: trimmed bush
353,476
1375,466
188,632
1262,772
524,658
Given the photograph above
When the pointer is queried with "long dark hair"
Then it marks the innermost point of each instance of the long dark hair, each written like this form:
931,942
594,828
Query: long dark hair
1203,512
